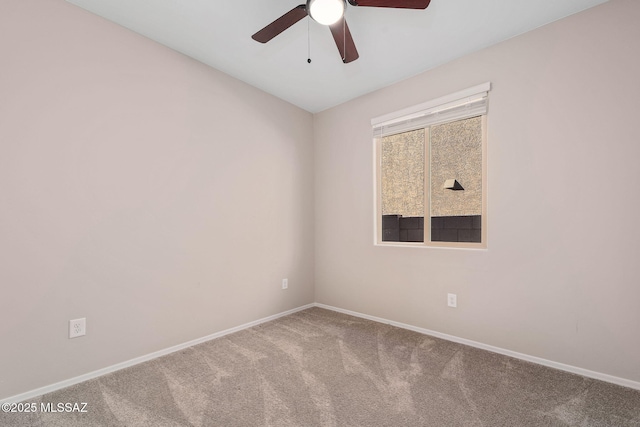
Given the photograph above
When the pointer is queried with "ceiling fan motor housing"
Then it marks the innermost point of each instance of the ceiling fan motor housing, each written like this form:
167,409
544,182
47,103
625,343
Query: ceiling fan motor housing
326,12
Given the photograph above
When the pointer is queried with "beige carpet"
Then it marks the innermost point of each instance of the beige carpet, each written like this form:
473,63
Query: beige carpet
321,368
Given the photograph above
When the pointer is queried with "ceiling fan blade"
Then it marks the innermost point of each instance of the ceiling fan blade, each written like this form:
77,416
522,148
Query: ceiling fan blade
398,4
344,41
280,24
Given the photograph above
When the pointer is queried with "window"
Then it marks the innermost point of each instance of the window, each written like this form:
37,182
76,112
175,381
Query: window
431,172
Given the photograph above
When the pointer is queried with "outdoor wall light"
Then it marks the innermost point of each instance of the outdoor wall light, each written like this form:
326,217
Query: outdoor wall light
452,184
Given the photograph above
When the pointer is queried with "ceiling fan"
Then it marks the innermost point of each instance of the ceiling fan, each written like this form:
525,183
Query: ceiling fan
331,14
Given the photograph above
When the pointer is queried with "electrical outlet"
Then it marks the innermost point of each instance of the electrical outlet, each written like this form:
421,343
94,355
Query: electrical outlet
77,327
452,300
285,283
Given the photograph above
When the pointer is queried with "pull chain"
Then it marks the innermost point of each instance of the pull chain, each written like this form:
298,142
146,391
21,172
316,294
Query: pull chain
308,40
344,39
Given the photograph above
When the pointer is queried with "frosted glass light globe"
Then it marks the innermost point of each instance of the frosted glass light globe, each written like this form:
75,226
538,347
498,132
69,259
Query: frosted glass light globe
326,12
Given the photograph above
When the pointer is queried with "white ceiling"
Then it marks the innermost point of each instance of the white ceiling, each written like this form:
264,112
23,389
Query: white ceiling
393,43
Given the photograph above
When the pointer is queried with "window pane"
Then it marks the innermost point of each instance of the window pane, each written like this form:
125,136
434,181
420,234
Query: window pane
456,181
402,186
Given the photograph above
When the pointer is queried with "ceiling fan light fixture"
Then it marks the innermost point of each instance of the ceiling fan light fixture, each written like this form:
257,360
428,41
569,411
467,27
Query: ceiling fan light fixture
326,12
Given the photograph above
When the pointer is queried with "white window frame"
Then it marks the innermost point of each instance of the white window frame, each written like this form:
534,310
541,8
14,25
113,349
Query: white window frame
471,102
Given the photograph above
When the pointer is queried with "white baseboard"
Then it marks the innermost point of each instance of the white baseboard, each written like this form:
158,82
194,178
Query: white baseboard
540,361
100,372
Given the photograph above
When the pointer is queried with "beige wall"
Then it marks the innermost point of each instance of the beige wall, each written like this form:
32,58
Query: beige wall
560,277
158,198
